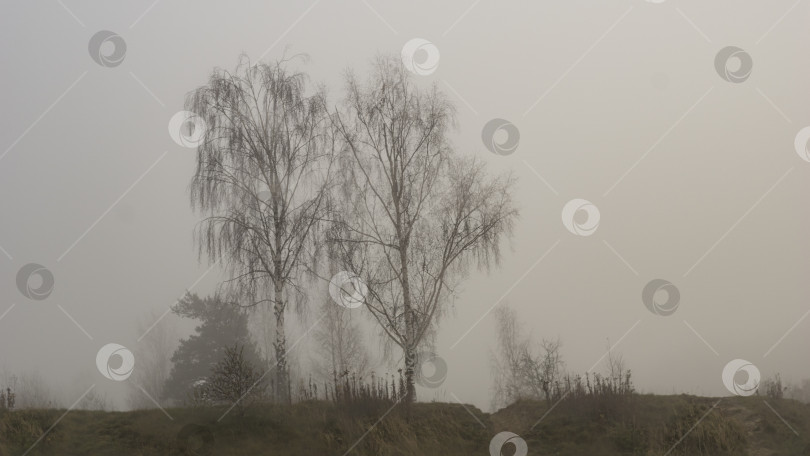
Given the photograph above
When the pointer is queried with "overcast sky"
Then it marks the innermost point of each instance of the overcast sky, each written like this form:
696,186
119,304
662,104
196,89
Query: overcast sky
696,179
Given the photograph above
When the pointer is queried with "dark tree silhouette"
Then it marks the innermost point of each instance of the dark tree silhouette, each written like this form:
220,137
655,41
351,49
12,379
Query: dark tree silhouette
222,325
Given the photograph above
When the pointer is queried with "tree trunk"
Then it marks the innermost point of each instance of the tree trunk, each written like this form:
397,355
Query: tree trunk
280,346
410,342
410,370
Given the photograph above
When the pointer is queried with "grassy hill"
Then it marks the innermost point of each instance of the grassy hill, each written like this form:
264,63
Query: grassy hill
635,425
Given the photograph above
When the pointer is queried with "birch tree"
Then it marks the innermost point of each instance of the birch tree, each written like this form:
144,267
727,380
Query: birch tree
415,215
262,180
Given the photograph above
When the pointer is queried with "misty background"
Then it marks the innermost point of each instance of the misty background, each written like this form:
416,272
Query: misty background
696,179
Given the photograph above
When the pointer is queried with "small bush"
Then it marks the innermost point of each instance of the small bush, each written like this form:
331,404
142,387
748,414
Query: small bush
235,380
773,387
7,399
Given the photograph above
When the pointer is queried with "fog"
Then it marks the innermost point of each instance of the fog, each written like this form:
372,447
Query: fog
696,178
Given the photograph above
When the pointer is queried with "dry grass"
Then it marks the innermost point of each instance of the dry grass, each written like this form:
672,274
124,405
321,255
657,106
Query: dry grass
632,425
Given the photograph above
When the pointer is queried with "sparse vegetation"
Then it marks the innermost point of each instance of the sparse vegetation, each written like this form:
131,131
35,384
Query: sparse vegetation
348,387
799,391
641,425
525,369
773,387
7,399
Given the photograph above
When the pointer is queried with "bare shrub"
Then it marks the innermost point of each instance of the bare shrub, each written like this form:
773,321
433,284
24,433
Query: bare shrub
235,380
799,391
7,399
773,387
525,369
30,390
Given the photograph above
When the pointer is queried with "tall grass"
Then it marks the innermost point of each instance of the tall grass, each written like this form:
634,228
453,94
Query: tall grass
348,387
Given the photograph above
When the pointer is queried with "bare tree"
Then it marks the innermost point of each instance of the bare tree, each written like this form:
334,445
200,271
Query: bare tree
543,368
340,344
154,355
508,383
415,215
615,364
262,176
523,368
619,380
30,390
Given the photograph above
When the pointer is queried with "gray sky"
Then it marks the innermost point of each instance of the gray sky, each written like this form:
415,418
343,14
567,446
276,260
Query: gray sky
696,179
